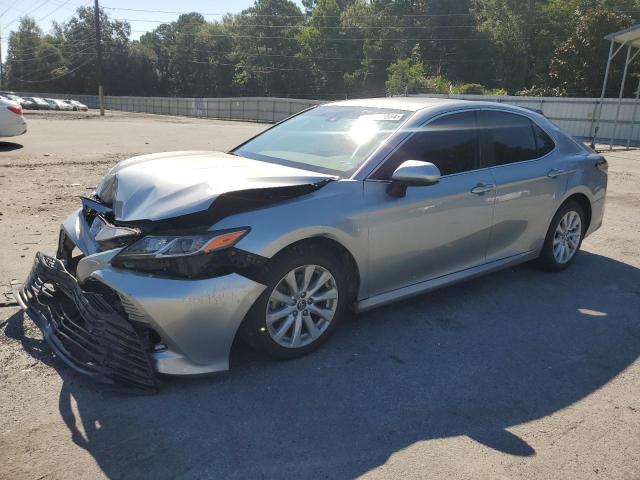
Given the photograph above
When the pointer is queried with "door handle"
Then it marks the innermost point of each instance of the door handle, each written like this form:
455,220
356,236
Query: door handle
483,188
556,172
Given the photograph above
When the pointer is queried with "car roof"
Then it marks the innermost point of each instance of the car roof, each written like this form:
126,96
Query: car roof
410,104
415,104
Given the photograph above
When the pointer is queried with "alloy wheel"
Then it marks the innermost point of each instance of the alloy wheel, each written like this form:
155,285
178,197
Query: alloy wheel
302,306
566,239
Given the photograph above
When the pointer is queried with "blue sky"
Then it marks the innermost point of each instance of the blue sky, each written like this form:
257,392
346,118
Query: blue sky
47,11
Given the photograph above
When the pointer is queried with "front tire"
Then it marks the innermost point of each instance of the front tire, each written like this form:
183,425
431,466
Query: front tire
305,299
564,237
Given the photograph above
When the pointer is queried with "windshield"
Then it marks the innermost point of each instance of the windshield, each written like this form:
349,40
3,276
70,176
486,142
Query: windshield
330,139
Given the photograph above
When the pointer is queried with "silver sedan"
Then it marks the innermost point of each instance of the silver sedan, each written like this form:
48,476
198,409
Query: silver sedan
346,206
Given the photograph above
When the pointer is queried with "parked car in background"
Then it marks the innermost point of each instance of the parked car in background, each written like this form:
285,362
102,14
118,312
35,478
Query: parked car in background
76,105
353,204
12,123
29,104
57,104
52,104
38,103
14,98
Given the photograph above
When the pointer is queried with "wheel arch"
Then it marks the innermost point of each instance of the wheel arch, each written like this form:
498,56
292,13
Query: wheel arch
352,269
583,200
580,195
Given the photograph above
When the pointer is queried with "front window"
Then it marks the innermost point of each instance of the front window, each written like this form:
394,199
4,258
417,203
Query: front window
449,142
330,139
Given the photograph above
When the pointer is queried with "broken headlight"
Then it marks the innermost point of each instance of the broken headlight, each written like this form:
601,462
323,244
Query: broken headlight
180,255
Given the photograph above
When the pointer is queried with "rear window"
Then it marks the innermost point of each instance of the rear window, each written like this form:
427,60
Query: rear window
543,141
509,138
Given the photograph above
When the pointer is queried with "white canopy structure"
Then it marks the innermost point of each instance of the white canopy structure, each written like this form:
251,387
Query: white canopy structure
629,38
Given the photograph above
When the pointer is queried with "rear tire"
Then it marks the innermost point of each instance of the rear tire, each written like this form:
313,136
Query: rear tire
305,284
564,238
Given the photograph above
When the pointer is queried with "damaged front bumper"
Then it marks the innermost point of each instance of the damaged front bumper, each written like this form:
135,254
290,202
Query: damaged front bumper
83,329
124,327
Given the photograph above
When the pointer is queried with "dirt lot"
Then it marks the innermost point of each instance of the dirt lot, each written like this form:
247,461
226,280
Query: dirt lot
519,374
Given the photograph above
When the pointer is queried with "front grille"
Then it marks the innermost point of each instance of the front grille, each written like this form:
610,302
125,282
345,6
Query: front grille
133,312
84,329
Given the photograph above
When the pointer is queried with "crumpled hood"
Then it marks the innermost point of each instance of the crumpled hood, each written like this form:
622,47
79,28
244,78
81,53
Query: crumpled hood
173,184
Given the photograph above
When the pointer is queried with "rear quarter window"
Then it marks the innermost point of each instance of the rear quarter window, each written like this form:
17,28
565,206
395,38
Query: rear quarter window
543,140
509,138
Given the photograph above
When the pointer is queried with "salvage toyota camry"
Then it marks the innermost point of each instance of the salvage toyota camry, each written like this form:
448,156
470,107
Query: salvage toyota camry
349,205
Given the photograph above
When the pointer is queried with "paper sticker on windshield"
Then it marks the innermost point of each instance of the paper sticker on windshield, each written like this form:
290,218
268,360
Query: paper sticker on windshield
385,117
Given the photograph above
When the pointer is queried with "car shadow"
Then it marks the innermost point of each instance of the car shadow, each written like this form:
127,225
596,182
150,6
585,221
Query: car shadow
9,146
475,359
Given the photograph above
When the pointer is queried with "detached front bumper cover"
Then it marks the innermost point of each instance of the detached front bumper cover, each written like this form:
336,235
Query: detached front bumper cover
83,329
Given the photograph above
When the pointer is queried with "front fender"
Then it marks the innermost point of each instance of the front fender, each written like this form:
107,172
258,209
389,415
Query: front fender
336,211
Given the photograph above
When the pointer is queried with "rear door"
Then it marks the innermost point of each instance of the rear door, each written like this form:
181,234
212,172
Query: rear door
434,230
522,164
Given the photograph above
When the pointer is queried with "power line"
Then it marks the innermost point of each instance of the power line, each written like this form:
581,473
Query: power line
302,15
305,57
31,8
275,37
305,16
268,69
9,7
52,54
54,10
321,27
65,45
69,72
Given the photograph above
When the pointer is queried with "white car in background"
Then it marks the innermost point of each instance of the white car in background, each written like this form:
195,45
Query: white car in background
57,104
14,98
76,105
12,123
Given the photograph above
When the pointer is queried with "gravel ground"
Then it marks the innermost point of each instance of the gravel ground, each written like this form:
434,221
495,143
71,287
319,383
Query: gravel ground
519,374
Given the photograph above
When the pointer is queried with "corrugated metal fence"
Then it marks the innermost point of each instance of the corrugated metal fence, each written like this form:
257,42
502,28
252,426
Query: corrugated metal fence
254,109
576,116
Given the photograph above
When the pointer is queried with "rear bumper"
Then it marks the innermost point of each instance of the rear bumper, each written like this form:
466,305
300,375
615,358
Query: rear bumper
597,216
85,331
14,128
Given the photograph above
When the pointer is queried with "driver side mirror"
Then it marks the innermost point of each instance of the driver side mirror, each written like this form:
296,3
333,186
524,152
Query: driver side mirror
413,173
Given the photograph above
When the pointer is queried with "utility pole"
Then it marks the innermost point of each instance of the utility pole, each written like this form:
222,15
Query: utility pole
1,65
96,14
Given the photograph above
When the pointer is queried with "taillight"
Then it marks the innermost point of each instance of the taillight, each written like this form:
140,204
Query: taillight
602,164
17,109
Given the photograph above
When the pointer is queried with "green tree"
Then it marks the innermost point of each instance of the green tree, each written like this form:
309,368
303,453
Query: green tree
405,75
512,26
332,48
323,49
23,55
578,62
454,47
76,39
266,50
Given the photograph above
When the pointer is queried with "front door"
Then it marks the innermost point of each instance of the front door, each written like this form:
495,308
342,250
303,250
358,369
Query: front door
434,230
